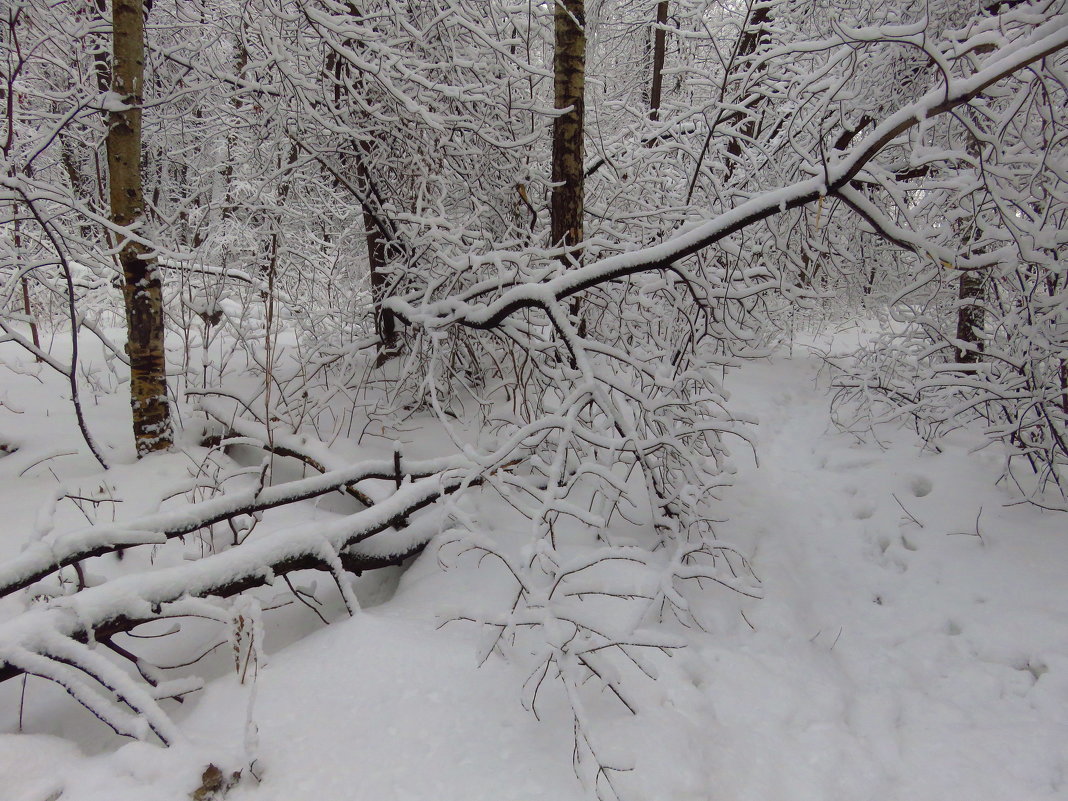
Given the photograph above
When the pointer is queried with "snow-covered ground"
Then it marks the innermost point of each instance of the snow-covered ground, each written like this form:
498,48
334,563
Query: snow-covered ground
912,643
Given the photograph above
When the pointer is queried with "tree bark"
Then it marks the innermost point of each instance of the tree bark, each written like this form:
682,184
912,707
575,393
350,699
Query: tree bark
659,52
754,34
569,69
377,262
970,318
142,287
376,239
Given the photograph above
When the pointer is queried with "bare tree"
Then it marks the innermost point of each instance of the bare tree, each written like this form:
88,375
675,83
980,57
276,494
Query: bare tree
142,283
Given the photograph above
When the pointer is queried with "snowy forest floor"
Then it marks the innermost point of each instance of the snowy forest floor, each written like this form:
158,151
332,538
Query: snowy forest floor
912,643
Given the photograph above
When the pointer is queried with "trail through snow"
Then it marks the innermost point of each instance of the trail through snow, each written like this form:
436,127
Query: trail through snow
899,653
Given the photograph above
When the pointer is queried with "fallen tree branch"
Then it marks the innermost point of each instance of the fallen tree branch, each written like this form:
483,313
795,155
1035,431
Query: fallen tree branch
42,558
98,613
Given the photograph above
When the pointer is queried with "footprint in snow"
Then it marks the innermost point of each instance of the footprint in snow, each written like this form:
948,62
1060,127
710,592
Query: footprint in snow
1035,667
921,486
864,511
892,560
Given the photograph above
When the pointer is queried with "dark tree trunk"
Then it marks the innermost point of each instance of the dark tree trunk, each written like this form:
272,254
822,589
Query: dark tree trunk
569,82
970,318
569,69
142,288
659,52
377,256
376,238
755,32
385,321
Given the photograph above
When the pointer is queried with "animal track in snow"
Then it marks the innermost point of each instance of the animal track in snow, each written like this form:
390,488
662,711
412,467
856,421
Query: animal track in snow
1036,668
921,486
864,512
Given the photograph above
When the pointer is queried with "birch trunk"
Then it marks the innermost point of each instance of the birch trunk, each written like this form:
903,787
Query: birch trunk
142,288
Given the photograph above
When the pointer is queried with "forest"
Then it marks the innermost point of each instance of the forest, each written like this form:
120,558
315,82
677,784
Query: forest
585,399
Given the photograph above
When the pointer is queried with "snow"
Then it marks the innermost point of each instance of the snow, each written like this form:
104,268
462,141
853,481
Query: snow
415,720
889,661
911,641
35,766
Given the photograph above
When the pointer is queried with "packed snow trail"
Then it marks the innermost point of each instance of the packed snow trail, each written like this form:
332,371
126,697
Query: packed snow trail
900,652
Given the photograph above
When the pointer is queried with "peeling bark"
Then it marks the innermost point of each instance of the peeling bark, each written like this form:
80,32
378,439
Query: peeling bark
142,287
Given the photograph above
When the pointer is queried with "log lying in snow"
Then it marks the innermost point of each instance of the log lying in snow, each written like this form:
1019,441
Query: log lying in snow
50,640
42,558
57,640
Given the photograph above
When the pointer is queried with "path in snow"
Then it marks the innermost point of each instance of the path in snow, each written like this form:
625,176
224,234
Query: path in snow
897,655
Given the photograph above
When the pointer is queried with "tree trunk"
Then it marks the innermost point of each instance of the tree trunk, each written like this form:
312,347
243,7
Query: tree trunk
377,255
755,32
27,309
659,51
569,69
970,318
385,321
569,82
376,239
142,288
